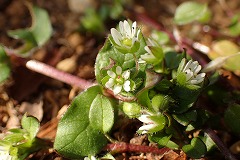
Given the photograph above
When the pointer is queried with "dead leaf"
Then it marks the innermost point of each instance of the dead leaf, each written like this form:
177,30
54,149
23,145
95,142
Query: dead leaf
33,109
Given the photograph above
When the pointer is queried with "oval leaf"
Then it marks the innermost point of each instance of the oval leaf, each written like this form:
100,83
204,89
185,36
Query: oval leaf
76,137
101,114
37,34
188,12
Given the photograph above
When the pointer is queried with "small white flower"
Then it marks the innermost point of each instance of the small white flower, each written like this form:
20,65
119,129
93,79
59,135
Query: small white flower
118,80
126,36
4,153
148,123
154,53
192,69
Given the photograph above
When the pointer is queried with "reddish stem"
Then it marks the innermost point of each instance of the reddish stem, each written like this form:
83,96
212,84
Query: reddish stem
126,147
50,71
57,74
224,150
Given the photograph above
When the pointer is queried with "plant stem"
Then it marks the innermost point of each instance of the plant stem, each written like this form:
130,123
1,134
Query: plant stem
126,147
57,74
224,150
50,71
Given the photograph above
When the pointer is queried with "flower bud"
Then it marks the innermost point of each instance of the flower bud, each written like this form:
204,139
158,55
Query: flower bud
160,102
132,109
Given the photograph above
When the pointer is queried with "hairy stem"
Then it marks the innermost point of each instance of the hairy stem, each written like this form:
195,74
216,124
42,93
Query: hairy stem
224,150
126,147
52,72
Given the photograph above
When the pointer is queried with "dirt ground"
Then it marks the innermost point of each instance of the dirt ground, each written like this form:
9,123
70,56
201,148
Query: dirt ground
46,98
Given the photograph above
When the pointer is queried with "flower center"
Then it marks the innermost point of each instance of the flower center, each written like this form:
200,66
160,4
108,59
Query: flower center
119,80
127,42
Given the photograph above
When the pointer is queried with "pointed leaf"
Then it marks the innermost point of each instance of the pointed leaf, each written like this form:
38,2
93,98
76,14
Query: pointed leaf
31,125
37,34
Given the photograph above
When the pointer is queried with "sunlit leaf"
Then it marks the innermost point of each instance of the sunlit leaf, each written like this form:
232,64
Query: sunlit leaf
38,34
31,125
101,114
227,52
191,11
163,140
76,137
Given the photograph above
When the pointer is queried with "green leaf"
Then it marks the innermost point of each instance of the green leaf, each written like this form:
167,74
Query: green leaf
143,98
184,100
196,149
191,11
173,59
160,37
186,118
208,142
101,114
31,125
92,21
161,122
16,138
234,27
4,65
163,140
232,118
76,137
37,34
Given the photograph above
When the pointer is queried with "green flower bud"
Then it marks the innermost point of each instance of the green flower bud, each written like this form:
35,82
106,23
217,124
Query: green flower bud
161,102
132,109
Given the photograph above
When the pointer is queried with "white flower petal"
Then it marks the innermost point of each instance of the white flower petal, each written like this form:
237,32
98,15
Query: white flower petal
127,29
189,74
121,27
126,74
148,49
202,75
134,28
117,89
197,69
109,83
144,118
116,36
126,86
118,70
187,65
111,74
147,127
